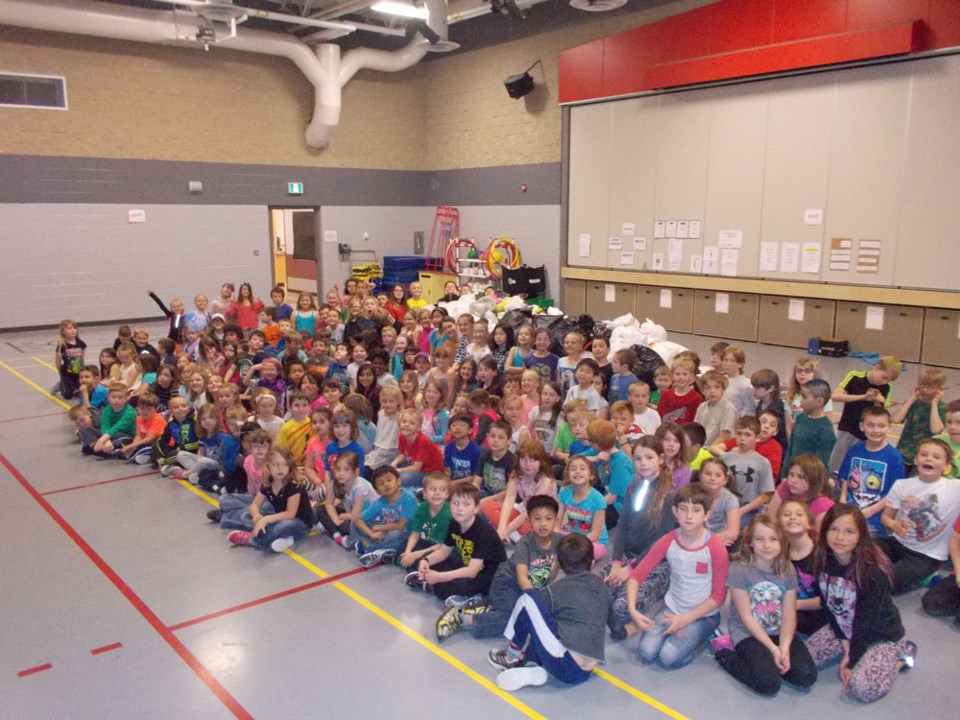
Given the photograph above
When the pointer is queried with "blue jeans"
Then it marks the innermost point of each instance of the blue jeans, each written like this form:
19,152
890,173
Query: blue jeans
295,529
235,511
411,479
395,540
532,625
676,650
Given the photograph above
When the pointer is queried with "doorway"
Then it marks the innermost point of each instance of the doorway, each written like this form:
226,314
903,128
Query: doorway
293,240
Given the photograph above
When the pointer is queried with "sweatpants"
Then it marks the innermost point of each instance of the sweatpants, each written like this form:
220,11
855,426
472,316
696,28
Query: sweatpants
532,626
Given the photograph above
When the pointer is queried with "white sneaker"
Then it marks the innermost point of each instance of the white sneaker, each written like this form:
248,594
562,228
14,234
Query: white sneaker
521,677
281,544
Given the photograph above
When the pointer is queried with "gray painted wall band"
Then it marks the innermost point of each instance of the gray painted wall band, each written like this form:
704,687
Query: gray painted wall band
42,179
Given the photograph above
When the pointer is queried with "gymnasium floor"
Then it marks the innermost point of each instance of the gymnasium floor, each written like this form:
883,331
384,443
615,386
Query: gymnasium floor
121,600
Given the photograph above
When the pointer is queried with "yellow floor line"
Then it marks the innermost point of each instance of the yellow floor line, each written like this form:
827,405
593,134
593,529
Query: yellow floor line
422,641
383,615
630,690
389,619
36,387
46,364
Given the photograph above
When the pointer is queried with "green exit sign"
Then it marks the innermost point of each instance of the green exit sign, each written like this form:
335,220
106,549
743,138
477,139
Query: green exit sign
294,188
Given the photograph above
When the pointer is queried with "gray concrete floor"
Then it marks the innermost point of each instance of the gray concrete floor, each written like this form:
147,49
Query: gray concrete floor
141,608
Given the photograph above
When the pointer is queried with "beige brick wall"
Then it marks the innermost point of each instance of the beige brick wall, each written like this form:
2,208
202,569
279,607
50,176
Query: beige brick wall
472,121
139,101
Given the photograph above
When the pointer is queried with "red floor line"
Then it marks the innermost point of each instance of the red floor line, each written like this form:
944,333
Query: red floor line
34,670
230,702
266,599
30,417
106,648
98,482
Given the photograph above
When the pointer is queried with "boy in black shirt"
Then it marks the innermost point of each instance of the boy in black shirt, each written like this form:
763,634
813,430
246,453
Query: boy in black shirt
459,580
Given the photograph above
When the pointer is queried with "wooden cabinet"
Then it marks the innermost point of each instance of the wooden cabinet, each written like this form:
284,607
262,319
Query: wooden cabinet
606,301
777,328
433,282
941,338
574,297
726,315
670,307
899,333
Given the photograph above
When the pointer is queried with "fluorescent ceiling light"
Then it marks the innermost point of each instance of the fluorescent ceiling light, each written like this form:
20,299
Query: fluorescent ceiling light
395,7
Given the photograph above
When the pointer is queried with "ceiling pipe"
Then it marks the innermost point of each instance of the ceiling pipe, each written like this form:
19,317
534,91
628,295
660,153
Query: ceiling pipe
325,70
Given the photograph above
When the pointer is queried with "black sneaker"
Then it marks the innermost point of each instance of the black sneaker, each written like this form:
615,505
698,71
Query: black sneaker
414,582
377,557
214,515
476,606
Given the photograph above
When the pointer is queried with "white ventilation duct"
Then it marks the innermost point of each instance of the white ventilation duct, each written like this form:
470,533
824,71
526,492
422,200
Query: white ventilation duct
325,70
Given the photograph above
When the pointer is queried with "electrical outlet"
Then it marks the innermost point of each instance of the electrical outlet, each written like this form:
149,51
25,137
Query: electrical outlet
418,242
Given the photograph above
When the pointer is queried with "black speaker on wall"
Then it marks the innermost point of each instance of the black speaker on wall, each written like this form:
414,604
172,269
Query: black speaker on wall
519,85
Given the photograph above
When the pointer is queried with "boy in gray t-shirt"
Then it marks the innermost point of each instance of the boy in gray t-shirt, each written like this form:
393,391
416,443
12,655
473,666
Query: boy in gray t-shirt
752,470
559,629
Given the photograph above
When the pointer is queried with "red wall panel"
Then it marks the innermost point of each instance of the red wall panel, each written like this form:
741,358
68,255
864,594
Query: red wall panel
798,19
739,38
581,71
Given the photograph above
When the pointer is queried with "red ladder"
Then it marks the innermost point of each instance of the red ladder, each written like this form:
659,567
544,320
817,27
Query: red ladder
446,226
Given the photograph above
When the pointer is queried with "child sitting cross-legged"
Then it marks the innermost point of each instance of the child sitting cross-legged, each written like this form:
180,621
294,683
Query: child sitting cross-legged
698,574
557,631
384,526
280,512
462,578
431,519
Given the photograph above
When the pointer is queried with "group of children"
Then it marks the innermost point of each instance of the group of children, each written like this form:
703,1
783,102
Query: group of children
438,444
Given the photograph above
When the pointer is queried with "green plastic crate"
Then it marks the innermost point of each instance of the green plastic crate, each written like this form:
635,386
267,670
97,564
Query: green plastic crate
542,303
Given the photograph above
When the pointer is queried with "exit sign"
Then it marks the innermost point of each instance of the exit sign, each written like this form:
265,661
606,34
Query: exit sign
294,188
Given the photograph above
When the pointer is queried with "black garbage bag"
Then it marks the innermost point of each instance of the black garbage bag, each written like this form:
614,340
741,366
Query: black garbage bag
647,363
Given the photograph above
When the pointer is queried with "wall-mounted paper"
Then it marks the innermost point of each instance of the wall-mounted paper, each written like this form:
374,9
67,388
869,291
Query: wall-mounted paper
721,304
639,243
694,230
730,238
711,260
696,263
615,243
790,257
673,264
868,256
584,244
768,256
626,258
729,259
657,262
666,298
683,228
810,258
671,228
609,292
874,317
796,309
675,248
628,229
813,217
659,229
330,236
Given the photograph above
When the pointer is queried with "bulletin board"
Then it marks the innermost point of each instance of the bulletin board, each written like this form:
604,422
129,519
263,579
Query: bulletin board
849,176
